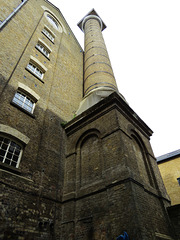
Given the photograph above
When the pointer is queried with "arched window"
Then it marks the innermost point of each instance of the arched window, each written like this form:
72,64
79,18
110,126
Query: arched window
36,68
24,101
25,98
43,48
12,143
52,21
48,33
10,151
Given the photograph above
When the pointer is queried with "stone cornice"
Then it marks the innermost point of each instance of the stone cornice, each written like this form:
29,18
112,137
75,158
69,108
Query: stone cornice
113,101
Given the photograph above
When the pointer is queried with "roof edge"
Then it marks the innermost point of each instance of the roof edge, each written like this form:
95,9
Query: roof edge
168,156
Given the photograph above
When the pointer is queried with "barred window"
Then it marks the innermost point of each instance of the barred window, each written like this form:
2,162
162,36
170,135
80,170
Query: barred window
10,152
24,101
48,34
43,49
34,69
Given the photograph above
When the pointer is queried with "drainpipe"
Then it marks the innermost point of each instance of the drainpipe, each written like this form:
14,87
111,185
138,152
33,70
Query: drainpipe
12,14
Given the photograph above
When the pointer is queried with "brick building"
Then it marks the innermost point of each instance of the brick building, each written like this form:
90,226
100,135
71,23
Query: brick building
76,162
169,166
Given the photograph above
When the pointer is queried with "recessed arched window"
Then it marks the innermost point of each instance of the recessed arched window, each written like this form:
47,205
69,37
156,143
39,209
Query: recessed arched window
52,21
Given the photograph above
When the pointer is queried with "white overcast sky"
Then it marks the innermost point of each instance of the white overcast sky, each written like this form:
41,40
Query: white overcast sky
143,42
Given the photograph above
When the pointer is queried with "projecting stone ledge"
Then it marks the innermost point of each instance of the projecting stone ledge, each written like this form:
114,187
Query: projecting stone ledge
95,97
113,101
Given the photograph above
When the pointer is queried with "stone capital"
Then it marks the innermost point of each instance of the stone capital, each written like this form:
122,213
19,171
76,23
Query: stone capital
92,17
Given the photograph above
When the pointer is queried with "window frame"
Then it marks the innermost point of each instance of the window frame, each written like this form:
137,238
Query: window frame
10,145
35,70
178,180
34,66
43,49
26,96
52,21
48,33
28,92
42,45
20,139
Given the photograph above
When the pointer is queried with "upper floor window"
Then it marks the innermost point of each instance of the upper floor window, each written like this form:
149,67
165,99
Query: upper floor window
10,152
49,34
52,21
25,98
34,69
178,179
24,101
12,143
43,49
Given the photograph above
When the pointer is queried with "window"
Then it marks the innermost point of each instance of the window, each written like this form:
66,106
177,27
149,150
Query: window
52,21
25,98
22,100
34,69
178,179
10,152
43,49
48,34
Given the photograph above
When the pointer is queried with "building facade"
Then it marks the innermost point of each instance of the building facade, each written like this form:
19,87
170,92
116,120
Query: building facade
76,162
169,166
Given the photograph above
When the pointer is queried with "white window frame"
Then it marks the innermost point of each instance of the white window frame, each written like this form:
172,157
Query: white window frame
35,70
12,147
52,21
17,137
43,48
29,94
48,33
24,101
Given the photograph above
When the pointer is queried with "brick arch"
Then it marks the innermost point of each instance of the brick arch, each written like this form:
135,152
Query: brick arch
5,129
86,134
89,158
142,158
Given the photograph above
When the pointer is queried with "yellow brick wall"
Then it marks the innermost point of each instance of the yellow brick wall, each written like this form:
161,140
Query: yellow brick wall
170,171
7,7
59,94
62,90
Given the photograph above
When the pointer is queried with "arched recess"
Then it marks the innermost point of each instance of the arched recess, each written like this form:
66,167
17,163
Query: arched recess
142,159
89,158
